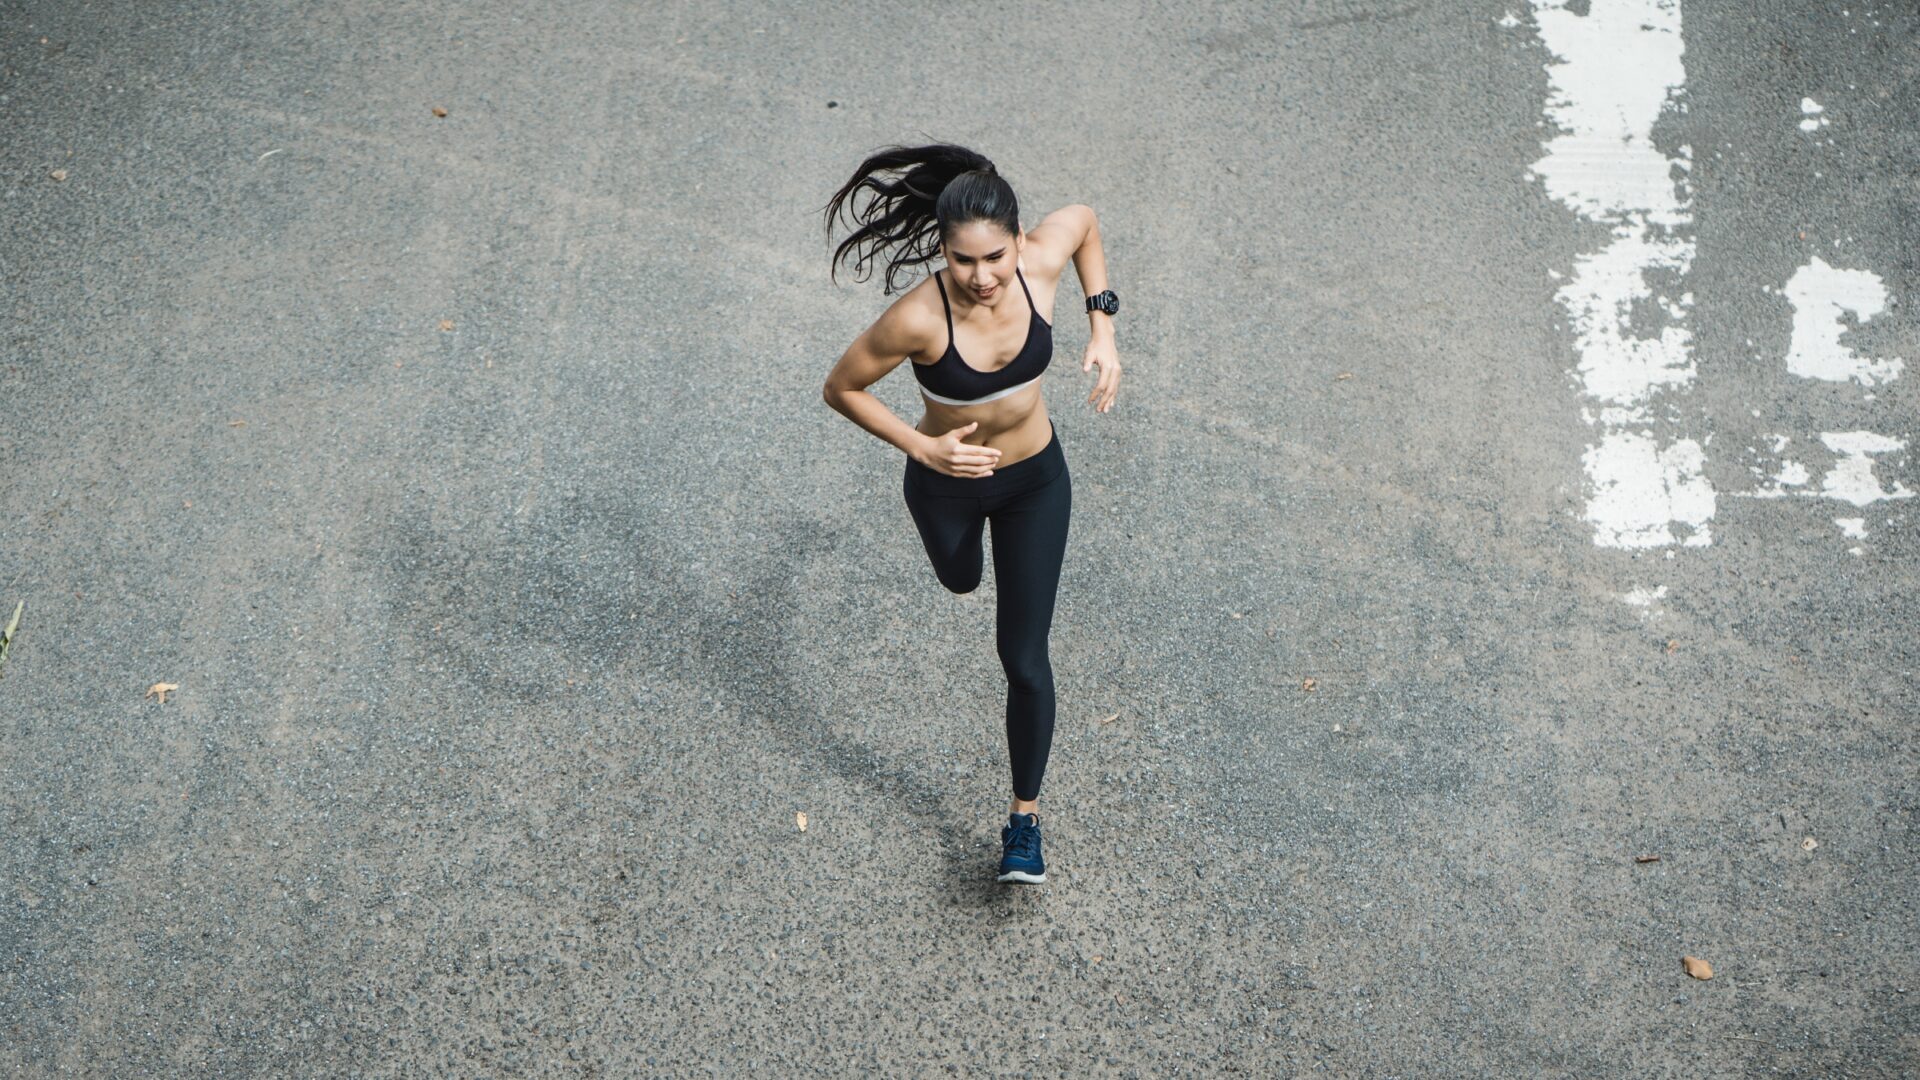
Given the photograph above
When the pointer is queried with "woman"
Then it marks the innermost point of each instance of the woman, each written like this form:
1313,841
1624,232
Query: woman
984,450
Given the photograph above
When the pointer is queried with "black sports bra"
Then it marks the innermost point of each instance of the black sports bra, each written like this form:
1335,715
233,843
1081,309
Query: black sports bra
951,381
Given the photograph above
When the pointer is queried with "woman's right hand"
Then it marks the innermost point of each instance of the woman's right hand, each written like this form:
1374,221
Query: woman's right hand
947,454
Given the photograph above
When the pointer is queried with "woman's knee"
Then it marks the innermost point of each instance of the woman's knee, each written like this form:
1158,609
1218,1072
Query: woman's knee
1028,669
959,582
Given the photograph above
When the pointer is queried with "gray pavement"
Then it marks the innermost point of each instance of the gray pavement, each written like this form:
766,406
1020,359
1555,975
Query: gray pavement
507,653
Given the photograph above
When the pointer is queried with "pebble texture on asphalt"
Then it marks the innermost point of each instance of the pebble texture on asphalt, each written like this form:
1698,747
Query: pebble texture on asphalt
507,652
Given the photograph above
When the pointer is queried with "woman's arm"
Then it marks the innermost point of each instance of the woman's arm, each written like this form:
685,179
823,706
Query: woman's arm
899,333
889,341
1090,262
1076,229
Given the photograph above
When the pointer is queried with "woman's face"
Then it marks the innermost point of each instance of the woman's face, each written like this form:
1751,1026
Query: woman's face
981,256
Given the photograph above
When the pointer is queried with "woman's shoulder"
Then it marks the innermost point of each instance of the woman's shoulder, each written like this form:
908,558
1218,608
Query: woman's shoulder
1051,244
915,321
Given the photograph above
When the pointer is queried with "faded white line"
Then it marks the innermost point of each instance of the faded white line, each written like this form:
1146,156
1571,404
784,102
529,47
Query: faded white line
1822,296
1810,110
1851,478
1616,70
1644,598
1830,302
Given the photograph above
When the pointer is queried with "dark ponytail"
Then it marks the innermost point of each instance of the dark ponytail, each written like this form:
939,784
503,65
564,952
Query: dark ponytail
940,187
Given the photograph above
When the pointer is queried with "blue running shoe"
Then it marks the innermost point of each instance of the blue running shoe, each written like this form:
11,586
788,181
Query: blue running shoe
1020,859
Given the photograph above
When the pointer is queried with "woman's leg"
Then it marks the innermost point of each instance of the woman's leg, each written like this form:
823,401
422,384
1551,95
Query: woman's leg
950,530
1029,542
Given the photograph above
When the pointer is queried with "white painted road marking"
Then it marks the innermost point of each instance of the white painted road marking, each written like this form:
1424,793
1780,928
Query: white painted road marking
1851,479
1811,110
1616,70
1821,295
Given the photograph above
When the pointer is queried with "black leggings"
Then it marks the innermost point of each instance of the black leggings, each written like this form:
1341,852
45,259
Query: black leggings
1028,502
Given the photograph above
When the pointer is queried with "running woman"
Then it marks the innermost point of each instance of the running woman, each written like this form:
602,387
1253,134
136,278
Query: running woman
984,450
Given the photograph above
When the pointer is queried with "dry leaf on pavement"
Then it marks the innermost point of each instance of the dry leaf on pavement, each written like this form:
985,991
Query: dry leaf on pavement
800,819
13,624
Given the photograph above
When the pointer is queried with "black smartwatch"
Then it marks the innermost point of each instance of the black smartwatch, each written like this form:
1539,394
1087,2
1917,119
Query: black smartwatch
1104,301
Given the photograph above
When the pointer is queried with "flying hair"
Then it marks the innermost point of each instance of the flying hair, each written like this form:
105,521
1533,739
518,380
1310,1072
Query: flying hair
933,190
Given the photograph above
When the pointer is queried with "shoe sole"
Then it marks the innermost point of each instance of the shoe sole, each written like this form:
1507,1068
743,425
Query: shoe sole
1024,878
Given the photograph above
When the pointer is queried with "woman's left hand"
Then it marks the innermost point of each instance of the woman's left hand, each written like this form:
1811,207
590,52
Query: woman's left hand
1100,351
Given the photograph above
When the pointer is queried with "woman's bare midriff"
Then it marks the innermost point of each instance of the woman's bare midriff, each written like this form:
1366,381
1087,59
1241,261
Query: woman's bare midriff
1015,425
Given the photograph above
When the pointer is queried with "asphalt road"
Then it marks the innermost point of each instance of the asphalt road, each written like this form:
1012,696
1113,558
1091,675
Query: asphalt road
469,478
